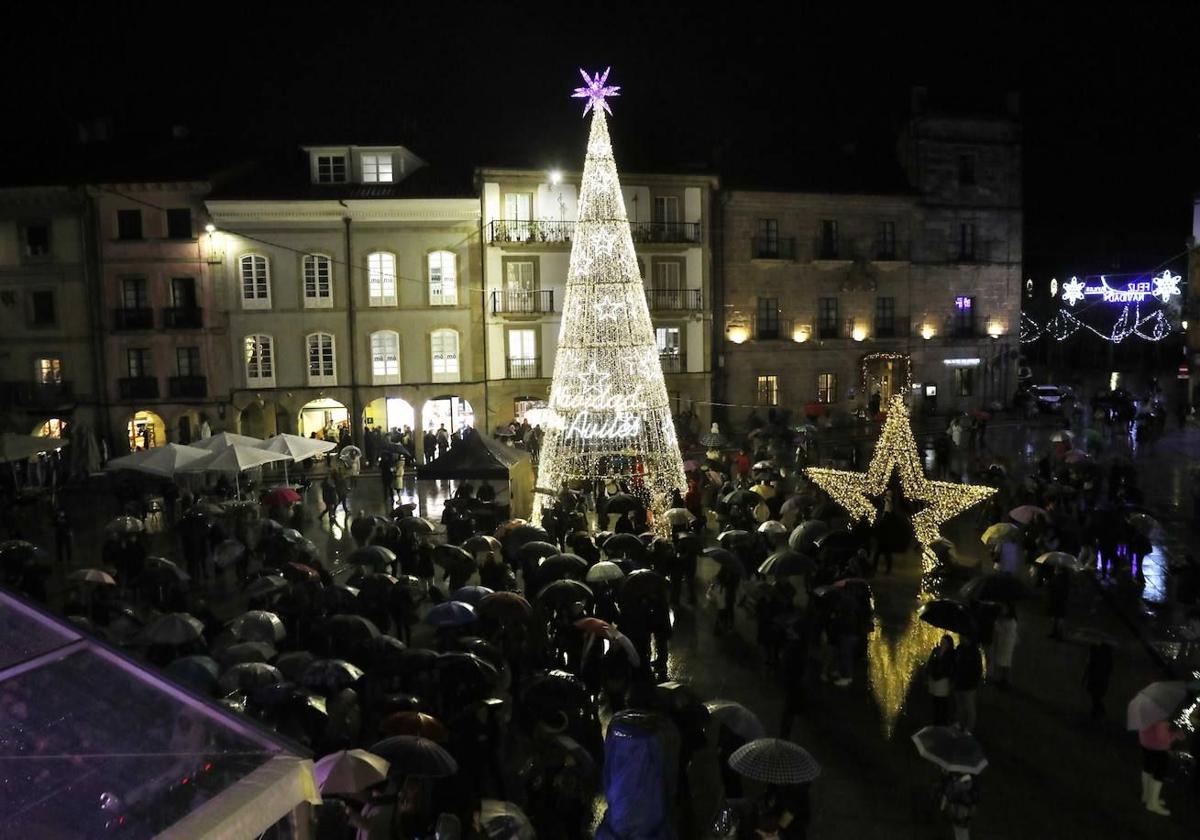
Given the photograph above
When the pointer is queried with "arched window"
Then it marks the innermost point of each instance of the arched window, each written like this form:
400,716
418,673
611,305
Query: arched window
322,367
318,281
256,282
381,279
443,279
259,352
385,357
443,346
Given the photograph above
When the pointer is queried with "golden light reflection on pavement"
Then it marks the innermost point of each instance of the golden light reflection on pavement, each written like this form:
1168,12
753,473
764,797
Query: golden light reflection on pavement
892,662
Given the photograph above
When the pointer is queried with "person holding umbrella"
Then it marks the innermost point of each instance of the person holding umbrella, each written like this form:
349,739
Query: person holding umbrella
940,668
968,671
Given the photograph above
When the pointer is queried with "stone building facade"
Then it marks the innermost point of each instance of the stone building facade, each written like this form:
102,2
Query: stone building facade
830,298
528,222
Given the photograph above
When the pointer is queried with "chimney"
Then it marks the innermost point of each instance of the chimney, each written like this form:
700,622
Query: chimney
917,96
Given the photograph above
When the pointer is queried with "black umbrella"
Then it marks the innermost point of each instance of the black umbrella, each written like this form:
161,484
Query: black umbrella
537,550
415,660
775,762
837,545
523,534
624,545
995,586
688,545
453,557
415,525
787,562
340,598
376,588
246,652
726,559
623,503
247,676
410,755
264,586
644,583
562,566
735,538
293,663
560,593
746,498
198,673
466,669
18,554
950,615
374,556
951,749
161,572
349,630
805,535
382,653
173,629
330,675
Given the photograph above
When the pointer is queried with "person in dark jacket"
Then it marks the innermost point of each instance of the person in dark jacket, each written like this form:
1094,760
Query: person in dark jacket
329,498
968,671
1096,675
940,670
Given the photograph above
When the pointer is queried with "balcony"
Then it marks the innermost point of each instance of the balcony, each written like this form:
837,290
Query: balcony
183,318
187,387
133,319
522,231
890,250
514,302
523,369
665,233
674,300
772,248
37,395
138,387
671,362
772,329
832,329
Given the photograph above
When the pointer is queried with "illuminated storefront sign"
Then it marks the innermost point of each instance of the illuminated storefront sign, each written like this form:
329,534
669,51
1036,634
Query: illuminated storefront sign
1164,287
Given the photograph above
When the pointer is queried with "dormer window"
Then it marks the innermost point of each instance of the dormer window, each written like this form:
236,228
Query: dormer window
377,168
331,169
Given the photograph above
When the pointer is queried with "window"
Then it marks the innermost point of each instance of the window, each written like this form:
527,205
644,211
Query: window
518,211
47,371
385,357
318,283
885,317
381,279
666,214
256,282
670,348
260,360
966,170
134,293
767,390
826,387
885,241
179,223
187,361
522,354
35,237
129,224
321,370
668,275
827,317
964,381
966,241
377,169
963,323
331,169
183,293
827,245
443,279
138,364
766,322
43,314
766,244
443,347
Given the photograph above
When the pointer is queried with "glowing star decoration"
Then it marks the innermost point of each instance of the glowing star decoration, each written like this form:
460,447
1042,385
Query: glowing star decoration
1165,285
609,309
608,413
896,451
1072,291
595,91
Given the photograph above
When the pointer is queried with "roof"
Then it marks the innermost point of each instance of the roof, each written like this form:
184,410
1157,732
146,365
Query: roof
473,456
93,743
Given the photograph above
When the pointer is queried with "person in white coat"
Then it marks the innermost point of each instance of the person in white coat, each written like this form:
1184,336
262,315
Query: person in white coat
1005,635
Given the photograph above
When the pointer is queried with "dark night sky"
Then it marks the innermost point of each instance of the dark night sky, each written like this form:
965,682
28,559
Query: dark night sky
762,95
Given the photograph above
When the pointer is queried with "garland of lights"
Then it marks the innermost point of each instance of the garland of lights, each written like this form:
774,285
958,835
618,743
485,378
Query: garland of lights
1129,323
886,357
608,417
896,450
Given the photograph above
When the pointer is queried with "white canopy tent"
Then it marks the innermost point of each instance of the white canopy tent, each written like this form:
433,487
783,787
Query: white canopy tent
298,447
221,440
163,461
19,447
236,458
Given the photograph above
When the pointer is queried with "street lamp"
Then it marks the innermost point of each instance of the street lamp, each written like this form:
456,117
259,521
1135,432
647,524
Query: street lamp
555,177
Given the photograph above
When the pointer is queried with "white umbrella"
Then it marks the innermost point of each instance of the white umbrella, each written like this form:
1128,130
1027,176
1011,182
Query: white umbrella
348,772
236,459
161,460
19,447
222,440
299,448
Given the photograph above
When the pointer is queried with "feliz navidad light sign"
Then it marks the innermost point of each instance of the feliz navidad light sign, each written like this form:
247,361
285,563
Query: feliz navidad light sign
1163,286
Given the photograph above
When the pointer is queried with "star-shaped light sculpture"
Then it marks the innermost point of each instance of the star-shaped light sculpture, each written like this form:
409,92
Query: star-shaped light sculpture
605,241
593,381
595,91
1072,291
896,450
609,309
1165,285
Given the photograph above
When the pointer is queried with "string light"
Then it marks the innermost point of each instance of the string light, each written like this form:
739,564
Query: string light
886,357
608,417
896,451
1131,322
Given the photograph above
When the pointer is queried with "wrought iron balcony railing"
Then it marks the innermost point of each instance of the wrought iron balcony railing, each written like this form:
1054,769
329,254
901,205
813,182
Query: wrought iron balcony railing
518,302
139,318
674,300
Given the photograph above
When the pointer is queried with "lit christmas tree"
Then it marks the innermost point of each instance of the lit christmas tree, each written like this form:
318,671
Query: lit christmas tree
609,418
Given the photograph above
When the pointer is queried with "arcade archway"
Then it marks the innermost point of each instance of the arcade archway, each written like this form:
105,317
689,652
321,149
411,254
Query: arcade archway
390,413
53,427
145,430
452,412
326,417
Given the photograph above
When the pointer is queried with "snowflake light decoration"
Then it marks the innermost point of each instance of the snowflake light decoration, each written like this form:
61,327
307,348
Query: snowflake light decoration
610,309
1072,291
1165,285
595,91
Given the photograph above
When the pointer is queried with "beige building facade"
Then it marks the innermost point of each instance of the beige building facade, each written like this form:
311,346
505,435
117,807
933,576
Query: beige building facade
352,301
831,298
528,219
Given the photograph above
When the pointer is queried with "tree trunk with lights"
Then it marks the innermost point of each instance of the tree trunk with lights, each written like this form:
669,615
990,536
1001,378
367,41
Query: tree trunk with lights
609,417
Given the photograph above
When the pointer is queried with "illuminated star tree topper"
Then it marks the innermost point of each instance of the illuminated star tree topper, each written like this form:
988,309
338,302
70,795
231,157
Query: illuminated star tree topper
896,451
595,90
608,417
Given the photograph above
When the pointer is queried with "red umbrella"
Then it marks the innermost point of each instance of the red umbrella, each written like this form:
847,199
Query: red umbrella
504,607
300,572
595,626
414,723
281,497
980,414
